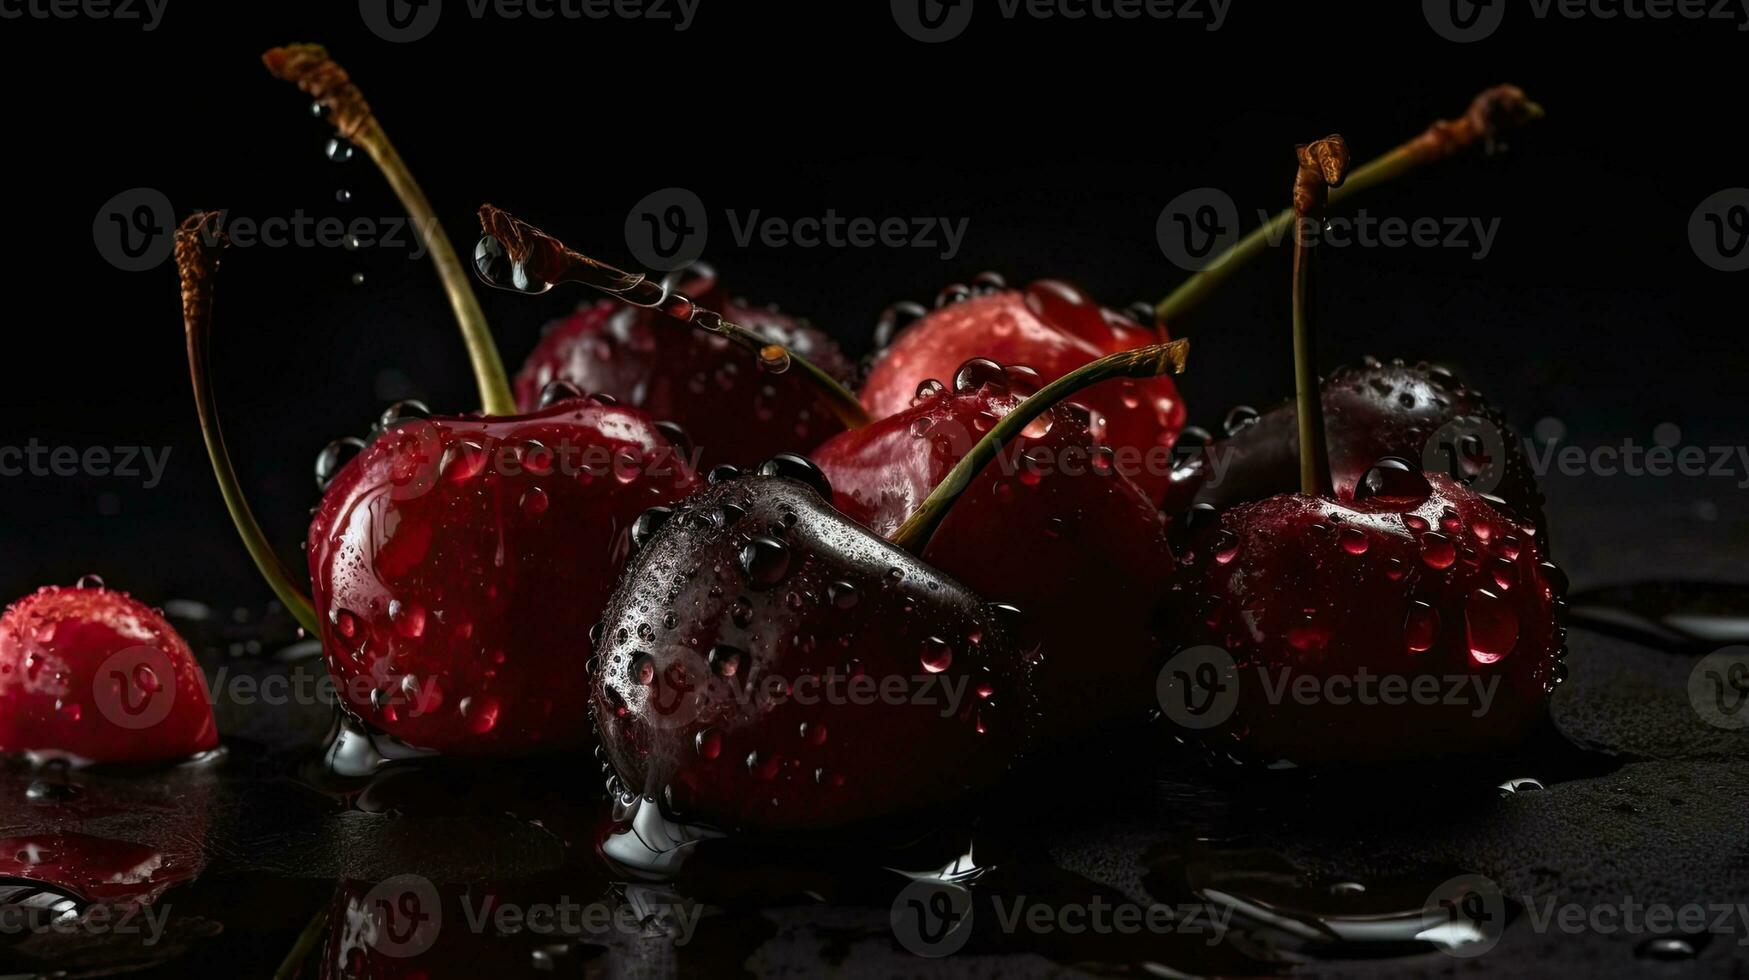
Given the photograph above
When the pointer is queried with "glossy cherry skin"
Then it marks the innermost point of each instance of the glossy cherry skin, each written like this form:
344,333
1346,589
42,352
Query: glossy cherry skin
1414,412
1052,328
1057,526
1433,584
767,665
458,563
93,676
734,411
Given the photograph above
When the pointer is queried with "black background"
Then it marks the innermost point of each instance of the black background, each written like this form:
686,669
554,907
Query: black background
1060,141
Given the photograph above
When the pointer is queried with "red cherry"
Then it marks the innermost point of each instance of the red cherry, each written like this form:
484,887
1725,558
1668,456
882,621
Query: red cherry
1415,412
94,676
1437,589
1051,328
1057,525
83,869
457,565
736,412
768,665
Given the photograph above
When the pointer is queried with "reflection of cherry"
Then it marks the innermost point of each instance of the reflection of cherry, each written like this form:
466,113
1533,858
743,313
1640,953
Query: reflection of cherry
94,675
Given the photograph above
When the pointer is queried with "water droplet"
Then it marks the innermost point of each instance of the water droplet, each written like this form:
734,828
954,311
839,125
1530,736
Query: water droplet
814,733
648,523
1353,540
953,293
480,713
1492,626
643,669
534,503
793,466
1437,550
980,372
1668,948
408,618
1505,574
896,318
358,278
927,389
146,679
842,594
1420,627
741,611
89,582
1239,419
725,660
1392,476
1226,547
339,150
462,462
709,743
936,655
343,195
765,560
773,358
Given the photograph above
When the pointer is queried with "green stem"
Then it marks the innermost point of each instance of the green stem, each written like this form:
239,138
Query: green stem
1142,362
1490,112
1308,397
293,964
310,68
198,242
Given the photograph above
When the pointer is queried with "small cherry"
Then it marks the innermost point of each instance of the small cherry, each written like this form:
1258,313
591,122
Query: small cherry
754,601
1059,525
736,412
740,406
1402,574
1050,328
92,676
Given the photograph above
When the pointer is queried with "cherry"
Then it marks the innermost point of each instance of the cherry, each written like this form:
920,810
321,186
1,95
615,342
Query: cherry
1051,328
768,665
736,412
1425,584
94,676
1410,577
457,564
677,369
85,869
1416,412
1058,525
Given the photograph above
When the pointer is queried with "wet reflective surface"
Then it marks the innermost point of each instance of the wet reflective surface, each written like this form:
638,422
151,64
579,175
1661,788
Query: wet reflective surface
292,843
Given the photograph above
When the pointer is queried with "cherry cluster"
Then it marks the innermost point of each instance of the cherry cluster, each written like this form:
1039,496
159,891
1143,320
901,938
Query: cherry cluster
680,541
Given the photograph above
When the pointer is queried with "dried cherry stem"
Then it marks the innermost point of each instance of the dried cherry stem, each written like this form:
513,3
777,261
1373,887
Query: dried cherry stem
1323,165
309,67
1491,113
516,256
1142,362
308,941
198,243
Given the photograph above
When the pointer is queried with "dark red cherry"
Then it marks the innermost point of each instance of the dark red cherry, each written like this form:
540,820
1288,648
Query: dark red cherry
1418,413
1058,524
1309,597
93,676
734,411
458,564
1051,328
784,668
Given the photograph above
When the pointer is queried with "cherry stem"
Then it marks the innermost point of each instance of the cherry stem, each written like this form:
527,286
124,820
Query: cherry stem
1323,165
516,256
1492,112
1141,362
309,67
198,243
307,942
